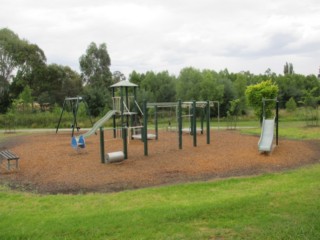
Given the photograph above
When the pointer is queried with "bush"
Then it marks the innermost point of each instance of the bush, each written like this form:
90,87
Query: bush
291,105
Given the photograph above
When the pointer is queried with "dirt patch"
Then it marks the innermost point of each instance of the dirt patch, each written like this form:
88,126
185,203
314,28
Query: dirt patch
48,164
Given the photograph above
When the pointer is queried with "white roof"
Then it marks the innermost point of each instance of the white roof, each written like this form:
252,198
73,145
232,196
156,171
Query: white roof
124,84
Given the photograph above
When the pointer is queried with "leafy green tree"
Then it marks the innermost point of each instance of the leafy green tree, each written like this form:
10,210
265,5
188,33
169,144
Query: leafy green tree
118,76
158,87
96,76
136,78
288,68
188,84
240,86
228,94
233,113
18,59
10,45
256,93
291,105
94,66
210,87
26,98
311,100
98,101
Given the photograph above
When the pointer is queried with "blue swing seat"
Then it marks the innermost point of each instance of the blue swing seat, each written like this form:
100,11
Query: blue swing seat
78,143
81,142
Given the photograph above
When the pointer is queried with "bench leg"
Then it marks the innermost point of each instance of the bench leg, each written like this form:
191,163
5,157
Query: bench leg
9,164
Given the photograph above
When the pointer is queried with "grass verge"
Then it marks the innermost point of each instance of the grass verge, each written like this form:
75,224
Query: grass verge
291,130
273,206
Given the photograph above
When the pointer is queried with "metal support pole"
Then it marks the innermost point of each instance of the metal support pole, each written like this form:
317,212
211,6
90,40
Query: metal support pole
145,127
202,120
114,116
127,103
156,121
64,103
208,122
194,125
180,123
124,138
74,112
121,105
102,145
277,122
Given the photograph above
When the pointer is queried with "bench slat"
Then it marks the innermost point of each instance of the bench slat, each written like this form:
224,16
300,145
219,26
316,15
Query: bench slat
8,155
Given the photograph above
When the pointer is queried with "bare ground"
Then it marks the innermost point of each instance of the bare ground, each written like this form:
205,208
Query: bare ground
48,164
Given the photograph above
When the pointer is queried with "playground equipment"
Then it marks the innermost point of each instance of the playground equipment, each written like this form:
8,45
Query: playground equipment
265,143
204,105
73,104
121,107
127,109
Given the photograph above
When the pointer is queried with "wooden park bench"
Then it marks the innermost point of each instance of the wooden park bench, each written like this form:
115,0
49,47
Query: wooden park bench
10,157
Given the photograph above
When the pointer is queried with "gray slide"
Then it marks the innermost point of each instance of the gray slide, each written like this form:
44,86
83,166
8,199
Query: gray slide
99,123
266,138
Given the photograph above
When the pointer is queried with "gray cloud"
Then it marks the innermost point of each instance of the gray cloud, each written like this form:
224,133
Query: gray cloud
161,35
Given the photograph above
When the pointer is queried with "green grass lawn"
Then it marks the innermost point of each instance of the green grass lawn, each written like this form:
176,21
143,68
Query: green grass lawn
273,206
290,130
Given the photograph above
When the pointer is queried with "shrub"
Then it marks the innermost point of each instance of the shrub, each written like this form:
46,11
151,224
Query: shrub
291,105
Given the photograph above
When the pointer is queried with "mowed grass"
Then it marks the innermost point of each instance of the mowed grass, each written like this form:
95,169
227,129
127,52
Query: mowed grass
273,206
290,130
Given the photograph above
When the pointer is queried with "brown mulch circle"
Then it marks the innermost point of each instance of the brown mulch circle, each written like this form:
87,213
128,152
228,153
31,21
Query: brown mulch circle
48,164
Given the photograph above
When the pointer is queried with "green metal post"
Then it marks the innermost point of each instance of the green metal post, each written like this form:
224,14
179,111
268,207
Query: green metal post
102,145
125,144
208,122
191,122
194,125
127,103
180,123
74,111
156,121
202,120
114,116
121,105
64,103
135,105
145,127
277,122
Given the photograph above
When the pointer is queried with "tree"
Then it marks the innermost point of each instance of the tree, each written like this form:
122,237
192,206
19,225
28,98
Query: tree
210,87
26,99
288,68
291,105
233,113
9,46
96,76
118,76
240,85
188,84
60,82
94,66
310,101
256,93
19,61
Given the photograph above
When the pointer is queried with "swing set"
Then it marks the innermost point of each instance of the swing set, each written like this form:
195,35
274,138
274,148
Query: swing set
73,104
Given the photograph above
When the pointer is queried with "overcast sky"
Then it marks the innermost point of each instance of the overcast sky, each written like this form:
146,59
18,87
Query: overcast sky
157,35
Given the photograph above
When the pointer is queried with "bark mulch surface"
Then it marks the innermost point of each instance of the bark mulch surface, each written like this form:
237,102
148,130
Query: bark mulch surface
48,164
